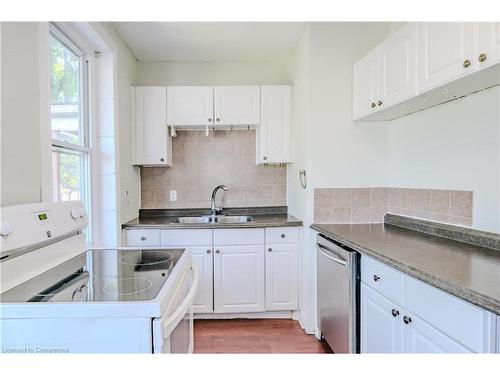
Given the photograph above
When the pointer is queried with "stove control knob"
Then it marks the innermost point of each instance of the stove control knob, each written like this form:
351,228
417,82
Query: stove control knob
75,213
5,229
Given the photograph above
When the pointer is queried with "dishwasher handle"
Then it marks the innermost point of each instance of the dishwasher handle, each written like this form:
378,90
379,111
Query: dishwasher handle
324,251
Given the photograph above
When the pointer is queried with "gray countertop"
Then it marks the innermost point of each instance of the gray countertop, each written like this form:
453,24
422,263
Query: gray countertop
260,221
467,271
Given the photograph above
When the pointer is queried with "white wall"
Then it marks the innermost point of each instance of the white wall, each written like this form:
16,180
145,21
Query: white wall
20,115
211,73
335,151
453,146
129,176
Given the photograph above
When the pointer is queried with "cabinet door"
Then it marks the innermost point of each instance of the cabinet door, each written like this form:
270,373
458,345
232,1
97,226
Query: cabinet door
397,67
443,49
237,105
487,44
365,85
239,279
203,258
420,337
152,142
380,329
282,281
190,105
274,132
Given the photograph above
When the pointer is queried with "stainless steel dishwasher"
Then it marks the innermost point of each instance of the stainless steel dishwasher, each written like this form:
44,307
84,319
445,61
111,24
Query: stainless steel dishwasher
338,295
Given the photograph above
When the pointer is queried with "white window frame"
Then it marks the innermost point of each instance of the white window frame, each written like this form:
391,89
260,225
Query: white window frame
85,149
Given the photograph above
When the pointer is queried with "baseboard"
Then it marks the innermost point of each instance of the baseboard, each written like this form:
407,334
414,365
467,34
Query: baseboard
258,315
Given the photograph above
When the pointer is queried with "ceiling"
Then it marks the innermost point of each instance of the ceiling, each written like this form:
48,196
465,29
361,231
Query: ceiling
211,41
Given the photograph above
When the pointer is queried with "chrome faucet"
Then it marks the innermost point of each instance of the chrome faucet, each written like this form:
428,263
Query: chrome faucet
213,208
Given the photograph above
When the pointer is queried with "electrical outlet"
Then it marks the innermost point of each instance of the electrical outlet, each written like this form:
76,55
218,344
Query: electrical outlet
173,195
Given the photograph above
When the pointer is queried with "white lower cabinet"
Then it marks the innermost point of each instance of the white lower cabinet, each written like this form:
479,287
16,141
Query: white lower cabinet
427,321
380,323
239,279
241,270
282,284
204,299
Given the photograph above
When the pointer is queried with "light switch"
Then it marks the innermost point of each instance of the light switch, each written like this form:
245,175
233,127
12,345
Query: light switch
173,195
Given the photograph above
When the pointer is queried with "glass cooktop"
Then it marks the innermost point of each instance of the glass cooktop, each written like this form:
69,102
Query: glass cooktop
100,276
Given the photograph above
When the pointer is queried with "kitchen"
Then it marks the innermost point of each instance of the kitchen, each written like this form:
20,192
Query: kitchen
250,187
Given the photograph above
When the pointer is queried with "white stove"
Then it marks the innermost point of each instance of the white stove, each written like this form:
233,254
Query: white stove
58,295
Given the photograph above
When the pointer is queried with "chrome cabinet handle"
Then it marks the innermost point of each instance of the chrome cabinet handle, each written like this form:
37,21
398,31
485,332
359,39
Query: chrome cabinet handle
373,105
209,120
217,251
380,103
466,63
264,158
395,312
143,238
217,119
162,159
407,319
283,235
209,251
376,278
482,57
270,249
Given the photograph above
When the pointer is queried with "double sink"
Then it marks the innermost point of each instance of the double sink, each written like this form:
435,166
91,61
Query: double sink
209,219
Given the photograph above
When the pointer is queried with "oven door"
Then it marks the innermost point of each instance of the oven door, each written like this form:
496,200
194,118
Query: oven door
173,332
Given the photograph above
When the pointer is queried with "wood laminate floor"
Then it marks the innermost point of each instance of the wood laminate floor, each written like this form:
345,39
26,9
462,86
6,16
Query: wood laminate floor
254,336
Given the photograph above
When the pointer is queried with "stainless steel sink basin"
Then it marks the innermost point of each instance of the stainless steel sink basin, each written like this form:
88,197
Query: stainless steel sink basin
233,219
193,220
209,219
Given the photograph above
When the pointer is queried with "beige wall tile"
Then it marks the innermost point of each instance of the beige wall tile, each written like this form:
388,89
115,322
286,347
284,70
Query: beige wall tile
461,203
379,196
440,202
200,163
341,215
341,198
441,218
457,220
360,197
377,214
360,214
423,200
408,199
395,198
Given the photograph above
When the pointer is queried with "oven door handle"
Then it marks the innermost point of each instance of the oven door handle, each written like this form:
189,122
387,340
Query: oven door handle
183,308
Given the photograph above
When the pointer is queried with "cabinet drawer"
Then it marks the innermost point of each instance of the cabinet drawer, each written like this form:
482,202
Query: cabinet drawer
282,235
238,237
383,279
143,237
186,237
465,323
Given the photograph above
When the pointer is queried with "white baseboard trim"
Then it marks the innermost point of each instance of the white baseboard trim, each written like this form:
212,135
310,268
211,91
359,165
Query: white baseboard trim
258,315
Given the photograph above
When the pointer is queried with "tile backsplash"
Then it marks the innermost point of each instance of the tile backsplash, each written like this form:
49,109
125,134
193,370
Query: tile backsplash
369,205
200,163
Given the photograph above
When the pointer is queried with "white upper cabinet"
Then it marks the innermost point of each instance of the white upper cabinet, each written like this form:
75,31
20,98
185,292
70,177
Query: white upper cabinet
153,146
365,85
190,105
423,65
487,51
237,105
446,52
397,67
274,132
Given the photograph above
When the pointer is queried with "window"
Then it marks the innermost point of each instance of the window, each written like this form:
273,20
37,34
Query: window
69,120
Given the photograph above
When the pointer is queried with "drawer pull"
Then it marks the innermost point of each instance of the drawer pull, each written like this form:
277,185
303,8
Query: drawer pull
217,251
270,249
209,251
283,235
143,238
376,278
395,312
407,319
